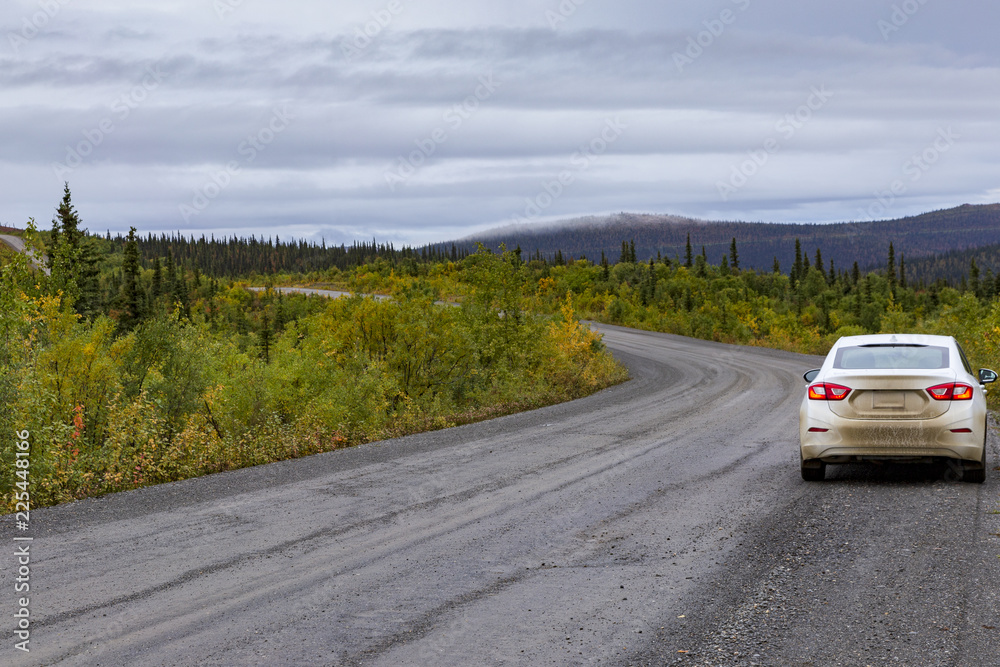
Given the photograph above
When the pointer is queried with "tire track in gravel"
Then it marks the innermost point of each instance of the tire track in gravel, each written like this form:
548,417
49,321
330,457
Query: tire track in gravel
618,529
894,565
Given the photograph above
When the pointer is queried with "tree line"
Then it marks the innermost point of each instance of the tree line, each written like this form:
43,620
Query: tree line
919,236
129,372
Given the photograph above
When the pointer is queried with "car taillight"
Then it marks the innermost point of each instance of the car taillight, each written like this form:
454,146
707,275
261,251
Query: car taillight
827,391
953,391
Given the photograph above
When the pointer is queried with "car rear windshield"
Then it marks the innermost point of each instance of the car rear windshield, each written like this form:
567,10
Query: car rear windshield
904,357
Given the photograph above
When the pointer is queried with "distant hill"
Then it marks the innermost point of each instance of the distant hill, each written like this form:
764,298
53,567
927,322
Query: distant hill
955,264
758,243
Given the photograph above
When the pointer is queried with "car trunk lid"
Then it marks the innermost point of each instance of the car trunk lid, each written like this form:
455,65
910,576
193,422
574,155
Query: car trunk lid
892,394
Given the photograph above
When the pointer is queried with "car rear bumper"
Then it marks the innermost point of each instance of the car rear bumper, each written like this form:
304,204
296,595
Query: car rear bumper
860,439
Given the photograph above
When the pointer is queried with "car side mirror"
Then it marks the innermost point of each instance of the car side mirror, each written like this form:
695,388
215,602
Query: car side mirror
986,376
809,376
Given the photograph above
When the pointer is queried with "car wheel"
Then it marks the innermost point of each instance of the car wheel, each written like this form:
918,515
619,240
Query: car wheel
975,472
813,471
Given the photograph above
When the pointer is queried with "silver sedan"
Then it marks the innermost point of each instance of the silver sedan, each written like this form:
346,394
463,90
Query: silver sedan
895,397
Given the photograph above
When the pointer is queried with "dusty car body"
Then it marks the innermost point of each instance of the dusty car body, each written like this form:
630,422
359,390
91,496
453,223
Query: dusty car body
895,397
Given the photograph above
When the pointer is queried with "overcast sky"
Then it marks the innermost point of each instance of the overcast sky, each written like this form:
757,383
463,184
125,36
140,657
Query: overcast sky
426,120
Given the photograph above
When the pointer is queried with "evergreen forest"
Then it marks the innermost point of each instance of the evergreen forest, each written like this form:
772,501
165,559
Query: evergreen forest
135,360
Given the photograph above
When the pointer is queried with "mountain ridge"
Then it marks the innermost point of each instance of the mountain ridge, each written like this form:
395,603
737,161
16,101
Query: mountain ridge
928,234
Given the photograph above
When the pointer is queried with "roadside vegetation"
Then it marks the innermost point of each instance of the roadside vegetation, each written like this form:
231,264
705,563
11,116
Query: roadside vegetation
805,310
127,376
146,360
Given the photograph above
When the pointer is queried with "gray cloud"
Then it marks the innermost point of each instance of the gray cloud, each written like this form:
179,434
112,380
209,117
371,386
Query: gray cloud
407,102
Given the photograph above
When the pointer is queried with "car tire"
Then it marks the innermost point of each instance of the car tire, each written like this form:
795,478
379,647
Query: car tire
975,473
813,471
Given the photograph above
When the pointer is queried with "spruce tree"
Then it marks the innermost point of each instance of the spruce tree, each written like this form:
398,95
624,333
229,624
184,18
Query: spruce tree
647,288
51,257
988,285
700,265
688,256
734,256
183,292
157,286
74,259
61,261
797,266
265,337
891,269
131,297
69,221
170,280
279,314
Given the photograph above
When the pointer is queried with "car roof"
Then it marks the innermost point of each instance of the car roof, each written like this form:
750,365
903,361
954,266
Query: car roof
888,339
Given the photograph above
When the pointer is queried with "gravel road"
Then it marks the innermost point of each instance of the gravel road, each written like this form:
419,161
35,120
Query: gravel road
662,521
332,294
17,244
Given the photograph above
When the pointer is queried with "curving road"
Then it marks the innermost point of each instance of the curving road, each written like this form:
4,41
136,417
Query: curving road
331,294
17,244
660,521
